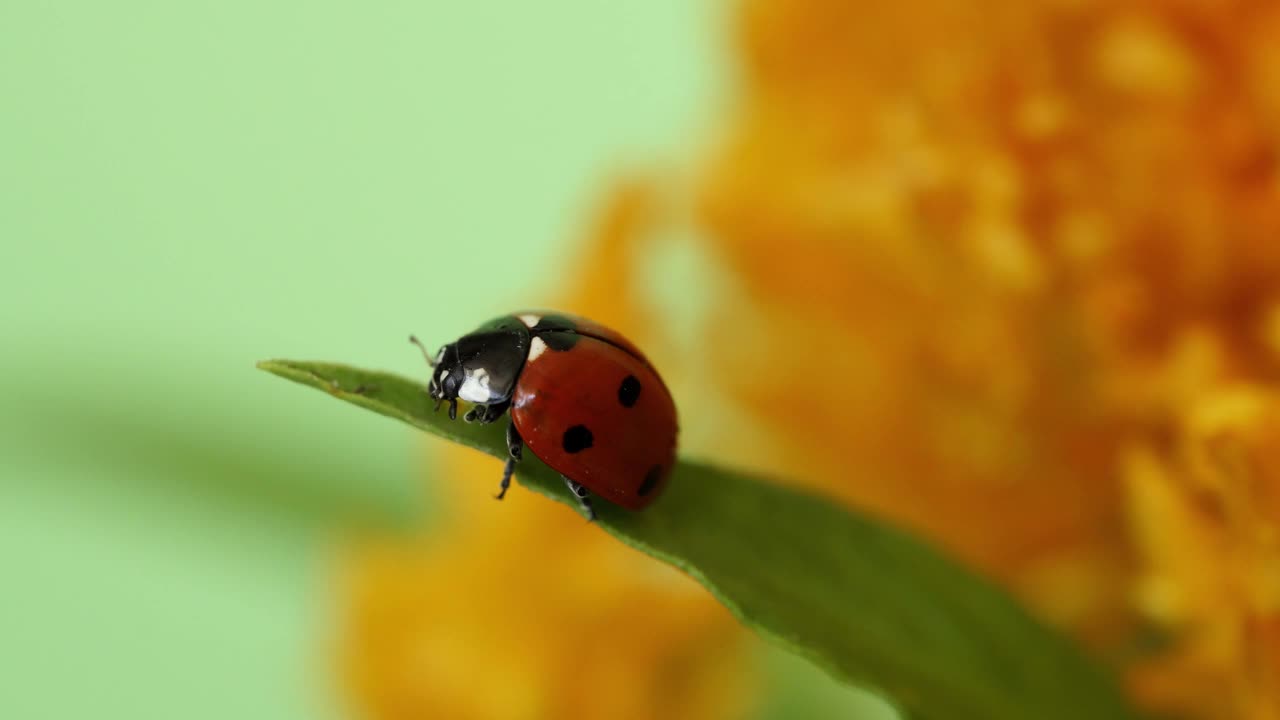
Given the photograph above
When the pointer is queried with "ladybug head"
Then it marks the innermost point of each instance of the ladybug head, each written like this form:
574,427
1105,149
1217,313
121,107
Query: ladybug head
480,367
447,375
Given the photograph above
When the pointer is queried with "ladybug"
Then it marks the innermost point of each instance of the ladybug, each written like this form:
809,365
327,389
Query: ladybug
579,395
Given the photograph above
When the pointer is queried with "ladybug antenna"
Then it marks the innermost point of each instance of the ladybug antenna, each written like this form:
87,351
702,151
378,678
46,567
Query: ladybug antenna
425,355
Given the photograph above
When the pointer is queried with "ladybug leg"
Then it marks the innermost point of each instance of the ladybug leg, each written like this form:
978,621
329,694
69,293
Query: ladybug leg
584,498
486,413
515,446
495,411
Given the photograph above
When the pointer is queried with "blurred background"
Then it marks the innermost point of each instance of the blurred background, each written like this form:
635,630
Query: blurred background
1034,246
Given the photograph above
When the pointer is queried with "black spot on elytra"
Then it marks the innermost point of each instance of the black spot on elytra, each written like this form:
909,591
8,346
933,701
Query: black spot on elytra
560,341
576,439
650,480
629,391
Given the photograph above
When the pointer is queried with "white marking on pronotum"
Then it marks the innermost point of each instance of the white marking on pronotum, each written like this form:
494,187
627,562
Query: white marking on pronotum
536,348
530,320
475,388
444,375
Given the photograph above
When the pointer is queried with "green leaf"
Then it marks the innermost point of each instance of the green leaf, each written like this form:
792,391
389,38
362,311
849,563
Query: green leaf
867,602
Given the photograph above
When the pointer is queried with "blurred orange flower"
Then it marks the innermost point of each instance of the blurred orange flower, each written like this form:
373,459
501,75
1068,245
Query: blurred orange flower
1007,273
1014,276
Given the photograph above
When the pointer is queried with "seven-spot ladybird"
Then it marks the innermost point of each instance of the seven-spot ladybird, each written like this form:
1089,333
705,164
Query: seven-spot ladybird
583,398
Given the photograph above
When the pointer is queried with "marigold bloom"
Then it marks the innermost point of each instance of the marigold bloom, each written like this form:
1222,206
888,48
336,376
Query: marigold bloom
1014,275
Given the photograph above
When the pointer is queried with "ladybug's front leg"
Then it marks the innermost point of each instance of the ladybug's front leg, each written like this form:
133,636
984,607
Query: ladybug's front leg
515,445
486,413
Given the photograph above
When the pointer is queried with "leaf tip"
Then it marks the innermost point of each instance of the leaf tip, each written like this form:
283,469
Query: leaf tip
283,368
294,371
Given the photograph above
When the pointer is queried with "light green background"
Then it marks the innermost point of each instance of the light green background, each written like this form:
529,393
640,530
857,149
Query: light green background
187,187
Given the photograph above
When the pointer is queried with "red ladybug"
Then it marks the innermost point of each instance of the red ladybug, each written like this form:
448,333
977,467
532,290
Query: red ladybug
583,398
